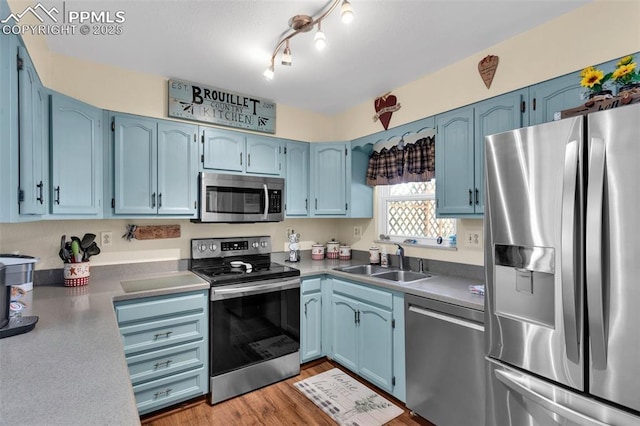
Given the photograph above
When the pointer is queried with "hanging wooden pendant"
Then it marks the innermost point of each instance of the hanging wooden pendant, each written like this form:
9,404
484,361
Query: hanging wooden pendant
487,68
385,105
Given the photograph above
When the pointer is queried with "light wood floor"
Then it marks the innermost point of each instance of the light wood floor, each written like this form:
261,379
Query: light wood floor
277,404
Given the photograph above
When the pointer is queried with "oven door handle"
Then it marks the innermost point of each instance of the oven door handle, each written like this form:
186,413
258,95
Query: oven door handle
251,289
266,201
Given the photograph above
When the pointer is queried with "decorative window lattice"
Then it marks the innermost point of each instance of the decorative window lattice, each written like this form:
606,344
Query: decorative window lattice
416,218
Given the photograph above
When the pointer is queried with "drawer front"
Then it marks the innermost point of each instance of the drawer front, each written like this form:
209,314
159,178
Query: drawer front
159,334
164,362
170,390
310,285
154,308
371,295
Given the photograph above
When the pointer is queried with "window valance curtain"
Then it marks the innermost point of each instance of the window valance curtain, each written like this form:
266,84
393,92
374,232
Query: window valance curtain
414,162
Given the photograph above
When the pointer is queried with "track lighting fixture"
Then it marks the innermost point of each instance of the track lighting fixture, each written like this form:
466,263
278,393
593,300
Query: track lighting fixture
286,55
319,39
303,24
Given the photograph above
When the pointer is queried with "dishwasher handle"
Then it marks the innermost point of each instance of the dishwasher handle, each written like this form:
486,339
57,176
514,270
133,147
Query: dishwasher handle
454,320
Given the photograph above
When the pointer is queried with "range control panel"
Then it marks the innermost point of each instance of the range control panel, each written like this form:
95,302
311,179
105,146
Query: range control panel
208,248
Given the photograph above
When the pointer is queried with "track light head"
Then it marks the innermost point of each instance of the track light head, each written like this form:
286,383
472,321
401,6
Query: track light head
346,12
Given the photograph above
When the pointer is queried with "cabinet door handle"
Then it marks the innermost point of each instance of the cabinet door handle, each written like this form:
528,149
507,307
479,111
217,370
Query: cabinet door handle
470,197
316,204
306,204
477,197
165,334
249,160
153,200
160,200
40,187
160,364
57,198
162,393
241,159
355,317
305,309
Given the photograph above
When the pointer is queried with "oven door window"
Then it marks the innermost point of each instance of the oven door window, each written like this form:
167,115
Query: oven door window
235,200
251,329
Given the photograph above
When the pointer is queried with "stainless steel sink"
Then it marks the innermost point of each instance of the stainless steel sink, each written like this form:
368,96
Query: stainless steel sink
362,269
401,276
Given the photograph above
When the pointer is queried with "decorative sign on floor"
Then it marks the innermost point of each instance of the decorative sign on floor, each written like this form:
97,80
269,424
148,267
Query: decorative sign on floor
193,101
346,400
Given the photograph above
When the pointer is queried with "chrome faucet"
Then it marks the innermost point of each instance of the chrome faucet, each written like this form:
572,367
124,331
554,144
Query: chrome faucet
400,254
420,265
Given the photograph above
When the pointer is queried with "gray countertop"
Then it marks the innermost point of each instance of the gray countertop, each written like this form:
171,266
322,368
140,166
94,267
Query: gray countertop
444,288
71,368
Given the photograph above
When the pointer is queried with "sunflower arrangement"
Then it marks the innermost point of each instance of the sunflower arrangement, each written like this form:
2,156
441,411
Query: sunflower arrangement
594,80
626,72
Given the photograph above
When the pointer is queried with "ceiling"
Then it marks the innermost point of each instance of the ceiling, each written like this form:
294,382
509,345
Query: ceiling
228,44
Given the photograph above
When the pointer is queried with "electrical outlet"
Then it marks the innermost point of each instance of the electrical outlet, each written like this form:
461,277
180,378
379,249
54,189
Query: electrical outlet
474,238
357,231
106,238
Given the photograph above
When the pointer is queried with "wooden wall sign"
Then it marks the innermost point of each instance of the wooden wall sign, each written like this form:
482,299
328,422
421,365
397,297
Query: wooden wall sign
152,232
385,105
192,101
487,68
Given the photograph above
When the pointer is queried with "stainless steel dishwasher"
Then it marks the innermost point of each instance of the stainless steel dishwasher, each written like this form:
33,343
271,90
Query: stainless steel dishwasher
445,362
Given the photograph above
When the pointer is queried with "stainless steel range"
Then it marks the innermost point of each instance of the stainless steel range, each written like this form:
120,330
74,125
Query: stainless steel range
254,325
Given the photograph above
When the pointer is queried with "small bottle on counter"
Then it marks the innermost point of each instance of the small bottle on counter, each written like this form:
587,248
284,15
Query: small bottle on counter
374,255
384,258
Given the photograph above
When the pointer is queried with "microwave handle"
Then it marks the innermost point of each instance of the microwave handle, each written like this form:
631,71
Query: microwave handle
266,201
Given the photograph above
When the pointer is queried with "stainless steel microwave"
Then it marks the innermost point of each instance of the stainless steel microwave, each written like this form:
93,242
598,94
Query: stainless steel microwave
239,198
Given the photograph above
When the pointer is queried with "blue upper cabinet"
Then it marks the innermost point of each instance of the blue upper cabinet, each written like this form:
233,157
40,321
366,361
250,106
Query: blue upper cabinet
297,179
460,151
223,150
236,152
33,111
177,168
135,165
155,166
495,115
454,162
551,97
76,157
264,155
330,167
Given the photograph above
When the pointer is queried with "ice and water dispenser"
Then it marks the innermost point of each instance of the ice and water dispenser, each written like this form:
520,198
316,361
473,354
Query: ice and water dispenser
524,283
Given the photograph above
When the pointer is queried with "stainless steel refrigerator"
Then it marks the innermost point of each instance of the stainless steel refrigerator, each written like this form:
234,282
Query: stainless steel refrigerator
562,260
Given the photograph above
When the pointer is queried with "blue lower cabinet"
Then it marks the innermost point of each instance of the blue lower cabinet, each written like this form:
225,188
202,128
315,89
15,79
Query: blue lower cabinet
311,319
165,341
366,337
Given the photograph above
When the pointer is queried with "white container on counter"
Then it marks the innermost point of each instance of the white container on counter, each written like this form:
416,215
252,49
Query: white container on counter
333,249
345,252
317,252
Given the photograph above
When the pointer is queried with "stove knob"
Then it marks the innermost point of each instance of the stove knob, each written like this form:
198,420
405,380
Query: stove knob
202,247
254,244
213,247
263,244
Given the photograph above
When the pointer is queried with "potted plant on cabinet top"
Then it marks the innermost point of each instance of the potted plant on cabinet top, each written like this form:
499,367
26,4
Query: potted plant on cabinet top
626,75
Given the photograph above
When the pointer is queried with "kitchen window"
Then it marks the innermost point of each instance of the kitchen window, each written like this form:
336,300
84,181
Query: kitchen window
408,211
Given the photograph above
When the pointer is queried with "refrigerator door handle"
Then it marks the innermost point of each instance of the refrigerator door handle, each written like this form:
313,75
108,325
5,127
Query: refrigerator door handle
595,302
519,386
570,268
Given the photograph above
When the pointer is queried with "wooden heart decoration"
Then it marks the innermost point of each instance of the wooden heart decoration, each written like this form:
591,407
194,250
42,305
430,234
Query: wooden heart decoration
385,105
487,68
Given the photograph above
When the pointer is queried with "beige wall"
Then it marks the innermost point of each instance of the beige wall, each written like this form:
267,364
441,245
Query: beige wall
592,34
595,33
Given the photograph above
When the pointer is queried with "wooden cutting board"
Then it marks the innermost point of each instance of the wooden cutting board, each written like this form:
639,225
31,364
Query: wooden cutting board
156,231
